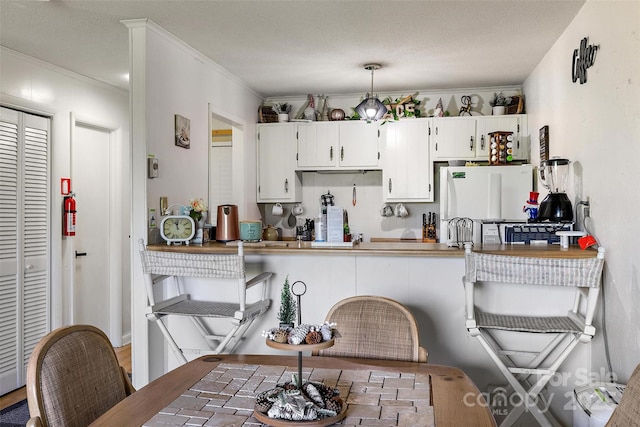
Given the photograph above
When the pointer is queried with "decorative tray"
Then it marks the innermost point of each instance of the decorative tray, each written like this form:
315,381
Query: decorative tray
300,347
276,422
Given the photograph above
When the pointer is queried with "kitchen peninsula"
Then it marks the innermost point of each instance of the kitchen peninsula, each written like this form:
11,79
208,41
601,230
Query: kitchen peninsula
426,277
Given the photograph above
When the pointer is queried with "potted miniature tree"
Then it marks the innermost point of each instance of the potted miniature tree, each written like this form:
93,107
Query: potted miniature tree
287,311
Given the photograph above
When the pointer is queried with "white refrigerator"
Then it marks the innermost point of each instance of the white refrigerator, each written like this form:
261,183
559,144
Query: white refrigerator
483,194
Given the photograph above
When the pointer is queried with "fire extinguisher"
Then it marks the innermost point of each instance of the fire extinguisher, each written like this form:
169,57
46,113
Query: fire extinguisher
69,223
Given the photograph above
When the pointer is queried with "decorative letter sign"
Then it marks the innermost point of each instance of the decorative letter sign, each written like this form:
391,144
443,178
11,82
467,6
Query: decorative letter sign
582,59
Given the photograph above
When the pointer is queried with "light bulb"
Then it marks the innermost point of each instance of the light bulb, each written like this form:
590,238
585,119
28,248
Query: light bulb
371,108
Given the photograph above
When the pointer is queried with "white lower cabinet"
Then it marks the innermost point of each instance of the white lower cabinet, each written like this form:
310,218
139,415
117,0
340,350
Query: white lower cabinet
277,177
407,173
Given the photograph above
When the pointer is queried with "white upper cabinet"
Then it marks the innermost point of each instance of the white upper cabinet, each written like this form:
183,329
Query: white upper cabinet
358,145
277,178
345,145
318,144
407,173
453,138
466,138
508,123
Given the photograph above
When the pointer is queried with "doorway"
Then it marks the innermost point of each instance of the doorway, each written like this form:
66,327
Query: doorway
97,292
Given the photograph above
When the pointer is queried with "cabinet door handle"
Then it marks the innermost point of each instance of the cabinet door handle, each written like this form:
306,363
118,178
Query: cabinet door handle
286,185
79,254
331,153
518,143
389,185
341,153
482,142
471,144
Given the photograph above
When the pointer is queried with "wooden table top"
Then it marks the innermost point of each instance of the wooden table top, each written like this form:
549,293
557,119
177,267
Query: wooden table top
455,399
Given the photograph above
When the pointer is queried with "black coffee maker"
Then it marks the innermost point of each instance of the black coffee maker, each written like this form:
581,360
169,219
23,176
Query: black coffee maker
556,207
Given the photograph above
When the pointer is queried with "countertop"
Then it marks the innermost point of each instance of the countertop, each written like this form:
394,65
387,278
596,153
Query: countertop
395,249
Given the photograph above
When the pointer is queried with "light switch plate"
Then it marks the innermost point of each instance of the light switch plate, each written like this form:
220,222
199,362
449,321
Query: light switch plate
152,167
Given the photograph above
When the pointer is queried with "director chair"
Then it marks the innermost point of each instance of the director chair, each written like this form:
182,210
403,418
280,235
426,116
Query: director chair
159,266
529,371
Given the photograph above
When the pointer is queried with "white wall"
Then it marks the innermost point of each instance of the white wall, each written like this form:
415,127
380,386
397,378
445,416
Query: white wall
597,126
168,77
32,85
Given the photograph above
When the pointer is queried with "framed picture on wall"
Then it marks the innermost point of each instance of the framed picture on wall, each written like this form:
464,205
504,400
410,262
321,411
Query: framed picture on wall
183,131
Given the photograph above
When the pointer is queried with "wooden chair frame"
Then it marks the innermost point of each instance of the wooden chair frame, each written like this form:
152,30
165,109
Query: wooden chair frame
51,389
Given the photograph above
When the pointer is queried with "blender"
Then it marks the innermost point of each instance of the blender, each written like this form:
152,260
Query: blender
556,206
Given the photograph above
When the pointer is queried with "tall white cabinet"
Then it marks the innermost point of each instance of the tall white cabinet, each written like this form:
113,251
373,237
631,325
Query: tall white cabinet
407,173
277,177
24,241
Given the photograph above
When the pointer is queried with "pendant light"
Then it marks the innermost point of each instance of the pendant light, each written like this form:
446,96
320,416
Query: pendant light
371,108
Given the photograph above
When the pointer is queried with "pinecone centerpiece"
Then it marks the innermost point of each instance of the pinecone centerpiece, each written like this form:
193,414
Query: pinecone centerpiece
312,401
295,401
302,334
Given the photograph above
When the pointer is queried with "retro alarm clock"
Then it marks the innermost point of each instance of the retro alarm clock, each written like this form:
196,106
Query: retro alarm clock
177,229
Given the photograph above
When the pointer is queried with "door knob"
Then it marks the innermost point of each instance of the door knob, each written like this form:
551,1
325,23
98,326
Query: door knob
78,254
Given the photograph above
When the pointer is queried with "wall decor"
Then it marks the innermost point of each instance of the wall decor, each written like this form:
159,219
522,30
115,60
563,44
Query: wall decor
466,105
583,58
183,131
405,106
544,143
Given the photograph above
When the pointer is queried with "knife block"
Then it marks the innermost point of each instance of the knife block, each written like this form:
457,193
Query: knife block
429,234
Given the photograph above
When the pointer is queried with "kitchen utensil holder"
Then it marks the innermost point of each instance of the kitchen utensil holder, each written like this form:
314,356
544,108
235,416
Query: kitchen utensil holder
460,231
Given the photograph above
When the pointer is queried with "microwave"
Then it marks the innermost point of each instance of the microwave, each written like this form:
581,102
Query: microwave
493,232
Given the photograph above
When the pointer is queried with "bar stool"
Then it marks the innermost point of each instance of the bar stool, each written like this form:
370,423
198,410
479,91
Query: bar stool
159,266
487,269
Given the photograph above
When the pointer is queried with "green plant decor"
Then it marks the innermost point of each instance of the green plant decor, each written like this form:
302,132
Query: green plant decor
287,311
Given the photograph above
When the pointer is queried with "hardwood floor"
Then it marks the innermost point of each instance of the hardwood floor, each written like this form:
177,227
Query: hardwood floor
124,357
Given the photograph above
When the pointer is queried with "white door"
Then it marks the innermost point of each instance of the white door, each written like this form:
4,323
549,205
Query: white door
90,182
24,241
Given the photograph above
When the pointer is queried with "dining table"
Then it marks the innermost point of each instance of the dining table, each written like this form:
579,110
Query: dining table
220,390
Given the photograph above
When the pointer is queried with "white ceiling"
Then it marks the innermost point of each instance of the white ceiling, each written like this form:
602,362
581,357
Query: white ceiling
295,47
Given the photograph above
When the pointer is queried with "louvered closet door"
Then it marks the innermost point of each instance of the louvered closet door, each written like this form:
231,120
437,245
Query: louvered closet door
24,241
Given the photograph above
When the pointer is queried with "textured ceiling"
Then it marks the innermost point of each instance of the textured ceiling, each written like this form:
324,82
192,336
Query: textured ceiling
282,48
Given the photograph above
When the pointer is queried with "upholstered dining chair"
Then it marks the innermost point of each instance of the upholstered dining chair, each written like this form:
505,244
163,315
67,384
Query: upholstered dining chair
73,377
374,327
627,413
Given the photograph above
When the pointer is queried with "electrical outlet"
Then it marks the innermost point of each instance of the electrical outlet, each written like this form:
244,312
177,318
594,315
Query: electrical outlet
587,208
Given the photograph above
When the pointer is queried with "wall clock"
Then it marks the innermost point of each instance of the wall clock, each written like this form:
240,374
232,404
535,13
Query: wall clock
177,229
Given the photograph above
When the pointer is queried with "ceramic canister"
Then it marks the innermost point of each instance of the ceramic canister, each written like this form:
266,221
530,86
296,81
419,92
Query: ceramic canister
250,231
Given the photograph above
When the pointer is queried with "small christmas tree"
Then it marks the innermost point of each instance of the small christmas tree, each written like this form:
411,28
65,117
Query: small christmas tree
287,304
